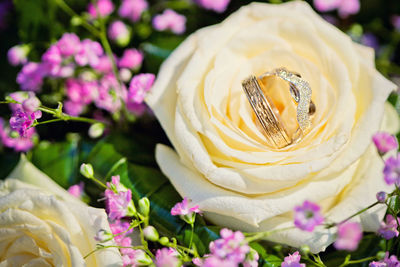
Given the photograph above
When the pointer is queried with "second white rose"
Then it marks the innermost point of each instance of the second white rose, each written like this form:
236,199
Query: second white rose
221,160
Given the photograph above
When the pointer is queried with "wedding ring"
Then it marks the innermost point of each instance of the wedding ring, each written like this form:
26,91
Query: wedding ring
268,115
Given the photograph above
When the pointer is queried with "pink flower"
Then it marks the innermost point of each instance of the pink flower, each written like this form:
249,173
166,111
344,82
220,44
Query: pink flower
18,54
231,246
76,190
102,8
52,60
80,91
349,235
118,200
307,216
184,208
392,170
110,94
216,5
89,53
215,261
131,59
29,102
104,65
21,121
345,7
30,78
381,196
132,9
19,144
293,260
391,261
69,44
73,108
385,142
166,257
170,20
389,230
396,22
139,86
119,33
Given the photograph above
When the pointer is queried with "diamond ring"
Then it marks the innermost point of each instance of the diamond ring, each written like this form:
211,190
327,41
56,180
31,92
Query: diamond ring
268,115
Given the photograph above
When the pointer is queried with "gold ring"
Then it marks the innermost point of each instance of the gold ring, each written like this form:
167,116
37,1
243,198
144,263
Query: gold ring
268,115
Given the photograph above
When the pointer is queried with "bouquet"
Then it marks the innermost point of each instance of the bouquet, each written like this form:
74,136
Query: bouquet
199,133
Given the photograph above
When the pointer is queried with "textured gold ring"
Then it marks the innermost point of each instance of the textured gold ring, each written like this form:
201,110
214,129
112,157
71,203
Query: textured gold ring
268,115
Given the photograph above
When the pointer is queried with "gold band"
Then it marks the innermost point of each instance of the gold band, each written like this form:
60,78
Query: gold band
268,115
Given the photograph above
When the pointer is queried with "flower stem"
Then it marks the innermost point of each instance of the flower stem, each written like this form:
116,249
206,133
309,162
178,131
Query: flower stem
261,235
349,262
110,246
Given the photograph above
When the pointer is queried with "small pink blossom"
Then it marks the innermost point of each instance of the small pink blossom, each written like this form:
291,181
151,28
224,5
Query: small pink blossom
391,261
89,53
349,235
104,65
170,20
214,261
19,144
385,142
131,59
76,190
184,208
391,170
79,91
381,196
139,86
389,230
215,5
231,247
110,94
69,44
73,108
167,257
17,55
102,8
119,32
29,102
293,260
344,7
132,9
307,216
52,61
21,121
118,200
30,78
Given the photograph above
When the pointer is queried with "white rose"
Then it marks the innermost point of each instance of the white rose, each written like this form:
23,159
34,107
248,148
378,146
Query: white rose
222,161
42,225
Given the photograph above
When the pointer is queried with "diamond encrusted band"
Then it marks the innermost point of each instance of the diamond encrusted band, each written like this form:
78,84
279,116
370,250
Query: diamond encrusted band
268,115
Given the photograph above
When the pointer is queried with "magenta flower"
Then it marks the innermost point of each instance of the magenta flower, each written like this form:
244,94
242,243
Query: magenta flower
139,86
391,261
21,121
110,94
69,44
73,108
17,55
30,78
392,170
167,257
389,230
80,91
381,197
396,22
215,5
385,142
131,59
231,247
118,200
104,65
119,32
293,260
349,235
29,102
170,20
185,210
52,61
132,9
89,53
19,144
344,7
102,8
307,216
76,190
215,261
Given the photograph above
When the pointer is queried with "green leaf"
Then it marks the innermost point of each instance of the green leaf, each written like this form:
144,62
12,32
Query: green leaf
394,205
272,261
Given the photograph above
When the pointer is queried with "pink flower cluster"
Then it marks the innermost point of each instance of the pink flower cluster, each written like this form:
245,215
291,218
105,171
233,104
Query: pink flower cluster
391,170
170,20
102,8
167,257
119,33
132,9
389,229
118,200
344,7
391,261
215,5
19,143
185,210
229,251
307,216
385,142
349,236
293,260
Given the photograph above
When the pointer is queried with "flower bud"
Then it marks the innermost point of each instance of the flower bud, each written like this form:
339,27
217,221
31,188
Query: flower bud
150,233
103,236
96,130
304,249
87,170
144,206
142,258
380,255
381,197
163,241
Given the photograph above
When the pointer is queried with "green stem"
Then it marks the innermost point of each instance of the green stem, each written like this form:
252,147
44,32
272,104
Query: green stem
357,261
191,235
111,246
72,13
98,182
352,216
